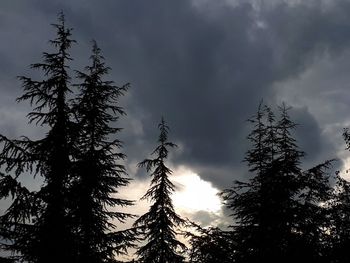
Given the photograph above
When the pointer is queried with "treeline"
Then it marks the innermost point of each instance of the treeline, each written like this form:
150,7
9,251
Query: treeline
282,214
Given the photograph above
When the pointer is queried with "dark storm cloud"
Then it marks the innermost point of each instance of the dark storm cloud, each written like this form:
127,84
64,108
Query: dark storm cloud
204,68
309,136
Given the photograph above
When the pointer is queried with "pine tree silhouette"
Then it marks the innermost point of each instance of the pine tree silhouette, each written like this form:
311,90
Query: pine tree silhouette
210,245
306,220
159,223
247,199
36,223
97,173
277,212
340,215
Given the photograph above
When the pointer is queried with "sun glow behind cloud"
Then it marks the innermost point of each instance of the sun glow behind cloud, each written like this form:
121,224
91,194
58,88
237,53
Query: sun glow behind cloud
194,194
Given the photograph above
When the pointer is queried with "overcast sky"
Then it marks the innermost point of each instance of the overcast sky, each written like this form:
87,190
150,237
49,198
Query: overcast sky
203,65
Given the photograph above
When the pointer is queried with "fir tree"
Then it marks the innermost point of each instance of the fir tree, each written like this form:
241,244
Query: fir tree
275,208
305,219
98,175
340,214
313,224
159,223
340,211
247,200
43,234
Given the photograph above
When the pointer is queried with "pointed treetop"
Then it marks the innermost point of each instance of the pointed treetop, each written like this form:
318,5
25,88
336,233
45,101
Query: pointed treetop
164,129
61,18
97,59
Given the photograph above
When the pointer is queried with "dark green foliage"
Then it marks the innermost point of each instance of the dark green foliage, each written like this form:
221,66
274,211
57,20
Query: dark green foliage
159,223
97,175
43,235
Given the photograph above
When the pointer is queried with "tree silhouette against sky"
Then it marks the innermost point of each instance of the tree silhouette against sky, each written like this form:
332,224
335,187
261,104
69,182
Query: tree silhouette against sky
43,234
277,213
159,223
97,171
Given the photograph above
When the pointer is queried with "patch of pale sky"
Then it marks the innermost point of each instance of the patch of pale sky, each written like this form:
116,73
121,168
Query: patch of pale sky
194,194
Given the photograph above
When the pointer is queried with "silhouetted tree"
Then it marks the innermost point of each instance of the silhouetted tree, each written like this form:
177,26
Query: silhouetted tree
16,230
313,222
248,200
308,191
277,212
98,175
159,223
42,234
210,245
340,215
341,218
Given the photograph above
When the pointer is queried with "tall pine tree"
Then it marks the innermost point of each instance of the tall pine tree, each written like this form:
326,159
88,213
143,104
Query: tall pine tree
98,172
275,208
340,214
305,218
247,200
43,234
159,223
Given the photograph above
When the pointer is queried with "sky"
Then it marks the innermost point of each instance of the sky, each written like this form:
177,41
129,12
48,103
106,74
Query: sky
203,65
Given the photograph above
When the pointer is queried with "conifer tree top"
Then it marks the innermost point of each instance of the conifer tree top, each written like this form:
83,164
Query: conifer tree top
159,223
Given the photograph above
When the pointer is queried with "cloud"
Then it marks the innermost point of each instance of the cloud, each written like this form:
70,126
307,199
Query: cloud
203,65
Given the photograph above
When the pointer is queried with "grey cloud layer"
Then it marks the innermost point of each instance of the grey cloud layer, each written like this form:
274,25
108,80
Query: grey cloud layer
204,67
